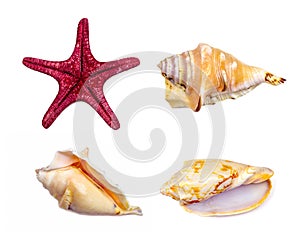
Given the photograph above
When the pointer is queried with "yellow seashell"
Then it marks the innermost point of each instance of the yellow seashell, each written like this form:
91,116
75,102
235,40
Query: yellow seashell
219,187
80,188
207,75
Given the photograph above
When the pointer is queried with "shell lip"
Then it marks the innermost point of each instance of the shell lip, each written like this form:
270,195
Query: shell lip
182,95
230,213
233,188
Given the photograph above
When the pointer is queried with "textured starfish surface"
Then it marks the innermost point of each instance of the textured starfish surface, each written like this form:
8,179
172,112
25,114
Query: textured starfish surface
81,78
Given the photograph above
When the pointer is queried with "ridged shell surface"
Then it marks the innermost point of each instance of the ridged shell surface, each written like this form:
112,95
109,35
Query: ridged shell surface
207,75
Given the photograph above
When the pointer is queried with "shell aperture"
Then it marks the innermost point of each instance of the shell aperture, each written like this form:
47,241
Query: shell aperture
219,187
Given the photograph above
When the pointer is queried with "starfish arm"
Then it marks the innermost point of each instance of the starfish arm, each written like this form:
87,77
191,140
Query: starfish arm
93,93
64,98
113,120
96,99
57,70
82,56
112,68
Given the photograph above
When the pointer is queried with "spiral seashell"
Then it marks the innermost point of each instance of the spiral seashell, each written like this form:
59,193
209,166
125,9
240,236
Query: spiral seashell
207,75
80,188
219,187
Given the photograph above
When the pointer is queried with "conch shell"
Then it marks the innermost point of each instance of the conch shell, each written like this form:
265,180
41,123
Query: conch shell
219,187
80,188
207,75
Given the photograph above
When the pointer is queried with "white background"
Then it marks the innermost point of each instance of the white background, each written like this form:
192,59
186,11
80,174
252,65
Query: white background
262,128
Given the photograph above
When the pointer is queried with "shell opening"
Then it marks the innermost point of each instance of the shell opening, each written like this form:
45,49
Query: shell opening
236,201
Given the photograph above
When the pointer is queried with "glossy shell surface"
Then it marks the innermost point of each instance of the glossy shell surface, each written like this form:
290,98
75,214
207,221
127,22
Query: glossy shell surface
80,188
219,187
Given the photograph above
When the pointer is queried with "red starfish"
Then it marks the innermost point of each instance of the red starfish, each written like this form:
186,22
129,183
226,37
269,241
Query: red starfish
81,78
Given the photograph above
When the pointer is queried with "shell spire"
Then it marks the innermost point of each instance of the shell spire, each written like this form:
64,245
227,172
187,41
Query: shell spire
207,75
274,80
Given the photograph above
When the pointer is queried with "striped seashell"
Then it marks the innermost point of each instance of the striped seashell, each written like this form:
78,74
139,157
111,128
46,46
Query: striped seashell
219,187
207,75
